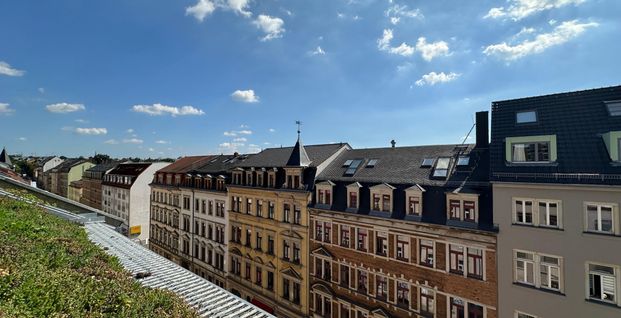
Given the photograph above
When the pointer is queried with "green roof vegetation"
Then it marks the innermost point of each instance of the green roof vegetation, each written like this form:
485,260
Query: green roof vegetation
49,268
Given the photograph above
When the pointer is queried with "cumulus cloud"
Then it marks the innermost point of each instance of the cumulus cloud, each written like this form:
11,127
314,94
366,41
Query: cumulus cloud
272,130
520,9
62,108
162,142
201,9
230,133
22,139
91,131
435,78
245,96
240,139
111,142
318,51
271,26
396,12
130,131
235,133
5,109
239,7
6,69
81,121
252,148
159,110
230,147
133,141
151,149
427,50
430,50
561,34
41,90
244,132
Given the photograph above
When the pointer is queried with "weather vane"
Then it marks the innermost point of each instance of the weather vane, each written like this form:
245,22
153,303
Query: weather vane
299,123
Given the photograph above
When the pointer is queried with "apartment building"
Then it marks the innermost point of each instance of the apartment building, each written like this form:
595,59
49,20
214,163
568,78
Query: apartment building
43,165
62,175
91,184
405,232
556,174
126,193
189,214
269,224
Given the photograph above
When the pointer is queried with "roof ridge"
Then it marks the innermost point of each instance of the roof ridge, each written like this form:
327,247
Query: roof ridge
566,93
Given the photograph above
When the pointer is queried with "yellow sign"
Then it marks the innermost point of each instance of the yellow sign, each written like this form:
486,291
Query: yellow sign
134,230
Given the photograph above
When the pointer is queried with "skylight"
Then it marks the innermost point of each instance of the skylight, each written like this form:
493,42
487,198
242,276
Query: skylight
372,163
353,167
526,117
427,162
614,107
347,163
463,161
442,166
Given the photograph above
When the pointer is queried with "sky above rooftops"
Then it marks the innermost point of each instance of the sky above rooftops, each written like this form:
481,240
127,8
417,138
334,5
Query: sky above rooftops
170,78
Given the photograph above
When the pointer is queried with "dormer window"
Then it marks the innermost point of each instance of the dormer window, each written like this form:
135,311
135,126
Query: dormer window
271,179
237,177
260,179
324,192
293,178
531,149
353,197
353,200
381,197
249,178
462,207
463,161
414,200
525,117
614,107
612,140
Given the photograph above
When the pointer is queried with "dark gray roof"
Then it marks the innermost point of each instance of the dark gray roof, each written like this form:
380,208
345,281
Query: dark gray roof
103,167
578,119
4,157
66,165
130,169
400,165
298,157
221,163
278,157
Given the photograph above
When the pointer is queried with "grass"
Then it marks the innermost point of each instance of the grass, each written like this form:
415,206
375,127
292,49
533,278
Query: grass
49,268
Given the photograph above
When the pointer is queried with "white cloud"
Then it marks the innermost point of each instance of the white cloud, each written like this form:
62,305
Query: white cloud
318,51
133,141
246,96
383,44
244,126
230,133
151,149
271,26
64,107
162,142
397,11
91,131
81,121
5,109
230,147
239,7
244,132
430,50
252,148
240,139
201,9
435,78
552,22
130,131
272,130
561,34
520,9
41,90
340,15
111,142
67,128
159,109
6,69
22,138
395,20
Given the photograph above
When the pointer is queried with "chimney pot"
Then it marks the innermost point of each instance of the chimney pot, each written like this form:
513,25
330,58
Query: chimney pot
393,143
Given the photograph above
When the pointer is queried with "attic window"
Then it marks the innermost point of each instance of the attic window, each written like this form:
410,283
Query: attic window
347,163
526,117
353,167
442,166
463,161
372,163
427,162
614,107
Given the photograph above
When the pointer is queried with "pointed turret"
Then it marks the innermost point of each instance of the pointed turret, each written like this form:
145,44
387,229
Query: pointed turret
299,157
4,157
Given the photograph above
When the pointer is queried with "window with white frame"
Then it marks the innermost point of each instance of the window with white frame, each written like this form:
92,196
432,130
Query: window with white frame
323,269
462,207
550,270
530,151
537,212
344,275
361,239
602,283
548,213
426,252
381,243
323,305
524,211
427,301
600,218
361,281
519,314
403,248
403,294
344,235
381,287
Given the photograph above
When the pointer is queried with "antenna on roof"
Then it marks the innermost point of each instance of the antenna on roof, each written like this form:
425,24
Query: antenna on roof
299,123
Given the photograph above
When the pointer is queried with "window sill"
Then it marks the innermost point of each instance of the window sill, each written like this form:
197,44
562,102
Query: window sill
601,302
603,234
549,291
538,227
531,164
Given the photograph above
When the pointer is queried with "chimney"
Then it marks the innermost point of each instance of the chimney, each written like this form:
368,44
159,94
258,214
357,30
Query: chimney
482,126
393,143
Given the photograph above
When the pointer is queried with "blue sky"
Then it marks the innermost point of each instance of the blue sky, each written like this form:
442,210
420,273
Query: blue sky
169,78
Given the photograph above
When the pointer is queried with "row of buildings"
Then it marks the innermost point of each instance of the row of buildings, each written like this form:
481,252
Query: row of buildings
524,226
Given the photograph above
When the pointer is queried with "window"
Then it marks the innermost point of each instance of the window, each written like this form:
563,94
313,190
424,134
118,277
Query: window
327,233
475,311
427,162
442,166
549,272
602,283
463,160
353,200
469,211
344,276
524,211
323,305
270,210
427,304
297,215
524,268
413,205
599,218
376,202
259,241
285,288
526,117
403,294
475,263
347,163
344,311
548,214
381,287
249,206
455,209
285,250
361,240
259,208
362,281
258,276
426,253
248,272
344,235
531,152
381,243
286,213
523,315
248,237
403,248
457,308
318,230
270,281
296,253
456,259
614,107
296,293
270,245
386,206
372,163
353,166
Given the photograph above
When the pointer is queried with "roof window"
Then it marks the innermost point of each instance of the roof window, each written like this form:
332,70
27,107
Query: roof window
526,117
442,166
347,163
463,161
427,162
353,167
372,163
614,107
